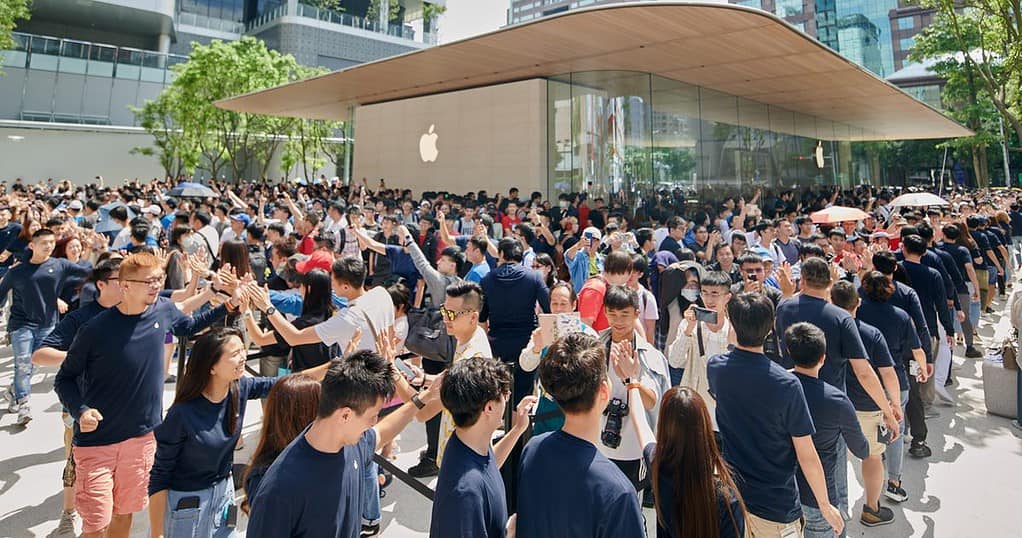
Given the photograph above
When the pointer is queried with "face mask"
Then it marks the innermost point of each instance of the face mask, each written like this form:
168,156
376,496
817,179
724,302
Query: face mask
690,295
567,228
563,204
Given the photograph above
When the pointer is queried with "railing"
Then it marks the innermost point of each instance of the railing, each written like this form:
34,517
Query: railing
212,23
328,15
82,57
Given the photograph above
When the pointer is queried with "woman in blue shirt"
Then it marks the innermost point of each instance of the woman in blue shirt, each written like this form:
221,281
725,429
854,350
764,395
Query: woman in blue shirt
191,491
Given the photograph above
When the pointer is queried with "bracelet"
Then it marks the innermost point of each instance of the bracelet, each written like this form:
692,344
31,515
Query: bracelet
634,385
419,404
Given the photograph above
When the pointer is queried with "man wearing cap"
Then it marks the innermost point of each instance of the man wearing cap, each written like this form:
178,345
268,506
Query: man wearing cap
74,211
238,221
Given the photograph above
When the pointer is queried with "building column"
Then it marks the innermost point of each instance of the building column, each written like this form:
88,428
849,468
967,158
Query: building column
163,43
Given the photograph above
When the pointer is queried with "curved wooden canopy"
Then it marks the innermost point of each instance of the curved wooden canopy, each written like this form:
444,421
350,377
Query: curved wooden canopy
728,48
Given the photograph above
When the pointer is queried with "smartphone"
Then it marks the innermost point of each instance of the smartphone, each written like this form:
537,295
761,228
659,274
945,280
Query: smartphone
187,503
589,235
883,434
751,277
405,370
705,315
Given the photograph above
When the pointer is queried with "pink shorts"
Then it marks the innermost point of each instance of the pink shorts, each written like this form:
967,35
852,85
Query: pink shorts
112,479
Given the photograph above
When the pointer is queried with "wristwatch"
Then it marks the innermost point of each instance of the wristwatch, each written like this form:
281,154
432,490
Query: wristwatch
271,310
419,404
627,381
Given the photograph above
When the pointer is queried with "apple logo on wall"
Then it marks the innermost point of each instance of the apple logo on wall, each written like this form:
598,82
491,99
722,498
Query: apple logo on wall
428,151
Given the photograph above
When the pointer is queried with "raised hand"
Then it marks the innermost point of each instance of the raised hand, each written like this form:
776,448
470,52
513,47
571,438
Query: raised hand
520,420
356,338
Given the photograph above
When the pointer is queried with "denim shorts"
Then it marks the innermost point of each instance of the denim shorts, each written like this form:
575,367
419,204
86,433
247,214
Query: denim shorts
208,519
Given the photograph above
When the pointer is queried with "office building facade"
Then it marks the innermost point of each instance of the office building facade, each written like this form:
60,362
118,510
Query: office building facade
78,67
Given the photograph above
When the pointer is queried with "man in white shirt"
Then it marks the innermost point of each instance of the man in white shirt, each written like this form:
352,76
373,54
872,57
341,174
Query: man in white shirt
208,236
239,222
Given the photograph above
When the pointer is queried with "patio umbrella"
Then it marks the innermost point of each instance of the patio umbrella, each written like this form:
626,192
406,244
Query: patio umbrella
835,214
918,199
105,224
191,190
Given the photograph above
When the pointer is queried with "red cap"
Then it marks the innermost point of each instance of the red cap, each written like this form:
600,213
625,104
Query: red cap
319,259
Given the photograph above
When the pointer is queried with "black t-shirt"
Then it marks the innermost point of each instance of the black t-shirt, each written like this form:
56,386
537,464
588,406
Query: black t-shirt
306,356
843,341
898,331
670,245
983,245
879,356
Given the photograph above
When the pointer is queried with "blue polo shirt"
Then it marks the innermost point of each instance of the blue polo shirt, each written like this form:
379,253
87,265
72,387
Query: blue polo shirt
897,329
834,418
879,357
760,407
843,341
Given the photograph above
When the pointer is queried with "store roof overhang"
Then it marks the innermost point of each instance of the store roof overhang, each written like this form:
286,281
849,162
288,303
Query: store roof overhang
723,47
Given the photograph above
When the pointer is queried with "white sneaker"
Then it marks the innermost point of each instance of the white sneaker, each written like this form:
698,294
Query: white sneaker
24,413
12,404
70,524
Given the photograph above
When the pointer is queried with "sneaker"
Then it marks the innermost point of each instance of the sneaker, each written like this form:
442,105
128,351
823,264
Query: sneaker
70,524
24,414
874,518
973,353
370,530
424,469
12,404
919,450
895,493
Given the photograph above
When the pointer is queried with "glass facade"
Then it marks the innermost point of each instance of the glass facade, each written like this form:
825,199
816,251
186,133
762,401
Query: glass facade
859,30
624,133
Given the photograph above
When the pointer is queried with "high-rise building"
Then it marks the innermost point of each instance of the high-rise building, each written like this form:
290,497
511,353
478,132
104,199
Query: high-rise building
78,66
876,34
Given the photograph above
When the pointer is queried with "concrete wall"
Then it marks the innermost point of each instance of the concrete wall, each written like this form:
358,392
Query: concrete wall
77,155
488,138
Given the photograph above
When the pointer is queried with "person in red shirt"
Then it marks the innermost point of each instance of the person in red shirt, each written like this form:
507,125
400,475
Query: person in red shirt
307,230
617,267
510,218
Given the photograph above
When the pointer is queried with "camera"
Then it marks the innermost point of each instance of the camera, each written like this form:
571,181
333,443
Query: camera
615,411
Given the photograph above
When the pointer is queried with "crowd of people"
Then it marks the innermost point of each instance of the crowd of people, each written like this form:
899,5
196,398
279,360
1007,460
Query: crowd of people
712,358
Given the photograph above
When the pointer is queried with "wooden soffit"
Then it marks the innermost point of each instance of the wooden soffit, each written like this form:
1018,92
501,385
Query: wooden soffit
727,48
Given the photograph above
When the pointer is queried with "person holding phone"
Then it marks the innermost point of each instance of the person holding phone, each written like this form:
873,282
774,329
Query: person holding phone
705,334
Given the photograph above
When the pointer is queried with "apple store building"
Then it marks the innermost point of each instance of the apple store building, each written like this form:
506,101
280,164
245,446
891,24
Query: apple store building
616,100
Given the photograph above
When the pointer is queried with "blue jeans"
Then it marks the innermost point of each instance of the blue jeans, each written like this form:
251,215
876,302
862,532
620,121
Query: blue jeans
371,495
816,525
894,456
24,342
841,476
209,519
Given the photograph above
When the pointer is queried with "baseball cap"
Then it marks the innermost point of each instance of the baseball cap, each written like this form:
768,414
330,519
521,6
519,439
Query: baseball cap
152,210
75,205
880,235
241,217
592,231
319,259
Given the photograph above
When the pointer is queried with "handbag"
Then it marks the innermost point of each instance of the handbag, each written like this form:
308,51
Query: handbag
427,335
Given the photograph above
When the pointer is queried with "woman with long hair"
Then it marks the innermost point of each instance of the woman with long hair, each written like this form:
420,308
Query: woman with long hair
235,253
191,489
290,407
545,265
71,249
694,490
317,307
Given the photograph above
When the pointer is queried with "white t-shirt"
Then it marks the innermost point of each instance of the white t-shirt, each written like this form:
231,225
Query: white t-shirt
647,305
375,303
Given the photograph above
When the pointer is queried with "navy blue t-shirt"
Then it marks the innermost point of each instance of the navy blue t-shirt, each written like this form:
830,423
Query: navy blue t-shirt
838,326
730,517
35,289
834,417
568,489
1016,223
65,331
879,357
951,266
961,258
929,286
760,407
401,264
470,498
115,365
193,449
9,241
898,331
311,493
985,247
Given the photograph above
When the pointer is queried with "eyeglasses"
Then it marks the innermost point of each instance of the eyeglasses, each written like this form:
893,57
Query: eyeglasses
451,315
152,282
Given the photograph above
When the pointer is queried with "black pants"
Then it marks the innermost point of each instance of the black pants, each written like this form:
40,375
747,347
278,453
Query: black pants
508,349
914,411
432,425
632,469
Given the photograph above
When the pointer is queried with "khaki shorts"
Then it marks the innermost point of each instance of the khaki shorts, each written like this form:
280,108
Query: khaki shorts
870,421
757,527
112,479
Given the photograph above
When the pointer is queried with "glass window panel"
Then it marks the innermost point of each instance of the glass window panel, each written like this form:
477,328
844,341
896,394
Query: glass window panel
906,23
675,137
788,8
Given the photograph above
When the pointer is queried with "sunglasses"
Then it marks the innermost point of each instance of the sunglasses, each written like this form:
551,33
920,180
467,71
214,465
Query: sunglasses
451,315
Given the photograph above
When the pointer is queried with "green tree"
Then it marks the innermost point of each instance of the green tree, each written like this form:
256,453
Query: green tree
11,11
176,148
984,41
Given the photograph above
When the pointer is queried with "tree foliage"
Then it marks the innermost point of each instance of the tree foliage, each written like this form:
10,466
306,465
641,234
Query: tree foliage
190,131
11,11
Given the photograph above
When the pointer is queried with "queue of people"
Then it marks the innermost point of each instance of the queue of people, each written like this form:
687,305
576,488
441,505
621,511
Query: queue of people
712,362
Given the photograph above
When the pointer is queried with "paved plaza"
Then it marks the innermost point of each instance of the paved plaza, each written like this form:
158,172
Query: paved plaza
969,488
